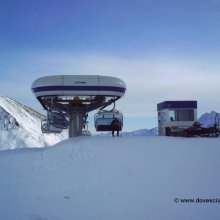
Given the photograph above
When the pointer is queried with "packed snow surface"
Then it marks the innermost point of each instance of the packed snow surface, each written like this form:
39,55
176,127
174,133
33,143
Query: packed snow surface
105,178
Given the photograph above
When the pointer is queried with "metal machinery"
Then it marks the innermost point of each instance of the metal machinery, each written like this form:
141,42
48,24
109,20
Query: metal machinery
68,99
197,129
103,119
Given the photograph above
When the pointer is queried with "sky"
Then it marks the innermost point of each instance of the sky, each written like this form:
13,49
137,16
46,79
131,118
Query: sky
162,50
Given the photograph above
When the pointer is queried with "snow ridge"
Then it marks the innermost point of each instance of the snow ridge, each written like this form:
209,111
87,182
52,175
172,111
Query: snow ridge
208,119
20,126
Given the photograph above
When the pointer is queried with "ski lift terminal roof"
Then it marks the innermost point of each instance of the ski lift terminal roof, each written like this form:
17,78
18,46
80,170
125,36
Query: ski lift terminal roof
78,85
177,105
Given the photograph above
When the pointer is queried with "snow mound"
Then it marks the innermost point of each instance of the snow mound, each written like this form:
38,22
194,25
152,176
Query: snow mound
96,178
20,126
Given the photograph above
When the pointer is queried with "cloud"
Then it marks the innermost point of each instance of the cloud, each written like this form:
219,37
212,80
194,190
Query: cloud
149,79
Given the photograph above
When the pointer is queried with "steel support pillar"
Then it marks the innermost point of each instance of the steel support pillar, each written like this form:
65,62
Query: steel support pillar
76,124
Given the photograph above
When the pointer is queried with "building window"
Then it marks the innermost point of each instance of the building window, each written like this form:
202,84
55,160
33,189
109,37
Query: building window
184,115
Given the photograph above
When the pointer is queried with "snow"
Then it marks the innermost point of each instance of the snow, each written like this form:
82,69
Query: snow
137,176
20,126
208,119
96,178
139,132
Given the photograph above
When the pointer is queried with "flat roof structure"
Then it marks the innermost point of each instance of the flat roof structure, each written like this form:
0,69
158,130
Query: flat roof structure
177,105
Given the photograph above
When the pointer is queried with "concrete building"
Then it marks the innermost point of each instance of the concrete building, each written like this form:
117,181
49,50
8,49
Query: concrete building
174,116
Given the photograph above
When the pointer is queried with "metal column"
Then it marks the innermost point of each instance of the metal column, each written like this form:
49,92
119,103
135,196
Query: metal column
76,124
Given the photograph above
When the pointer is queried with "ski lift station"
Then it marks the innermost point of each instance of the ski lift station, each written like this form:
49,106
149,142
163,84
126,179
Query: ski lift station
174,116
69,98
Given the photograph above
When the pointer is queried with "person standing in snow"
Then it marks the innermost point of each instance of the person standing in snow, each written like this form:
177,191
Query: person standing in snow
116,126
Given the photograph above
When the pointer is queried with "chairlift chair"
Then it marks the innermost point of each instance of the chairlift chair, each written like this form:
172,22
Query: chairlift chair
58,120
48,128
103,119
55,122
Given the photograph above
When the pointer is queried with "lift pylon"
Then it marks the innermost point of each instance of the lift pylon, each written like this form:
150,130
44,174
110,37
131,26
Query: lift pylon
69,98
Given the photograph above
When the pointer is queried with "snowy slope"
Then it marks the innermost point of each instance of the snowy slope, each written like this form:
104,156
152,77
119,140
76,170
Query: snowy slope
208,119
20,126
96,178
139,132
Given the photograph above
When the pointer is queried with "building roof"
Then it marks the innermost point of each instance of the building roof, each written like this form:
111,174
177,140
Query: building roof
177,105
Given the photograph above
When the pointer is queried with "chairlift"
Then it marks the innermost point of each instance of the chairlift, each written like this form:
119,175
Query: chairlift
48,128
103,119
58,120
55,122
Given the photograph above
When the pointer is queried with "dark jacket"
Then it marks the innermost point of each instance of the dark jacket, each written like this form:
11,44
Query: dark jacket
116,125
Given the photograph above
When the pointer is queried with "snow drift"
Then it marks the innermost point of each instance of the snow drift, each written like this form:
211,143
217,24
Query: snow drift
96,178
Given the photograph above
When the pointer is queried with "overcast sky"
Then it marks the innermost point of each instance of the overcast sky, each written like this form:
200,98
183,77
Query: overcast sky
162,49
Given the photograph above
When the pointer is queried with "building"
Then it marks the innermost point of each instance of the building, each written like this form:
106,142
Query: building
174,116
